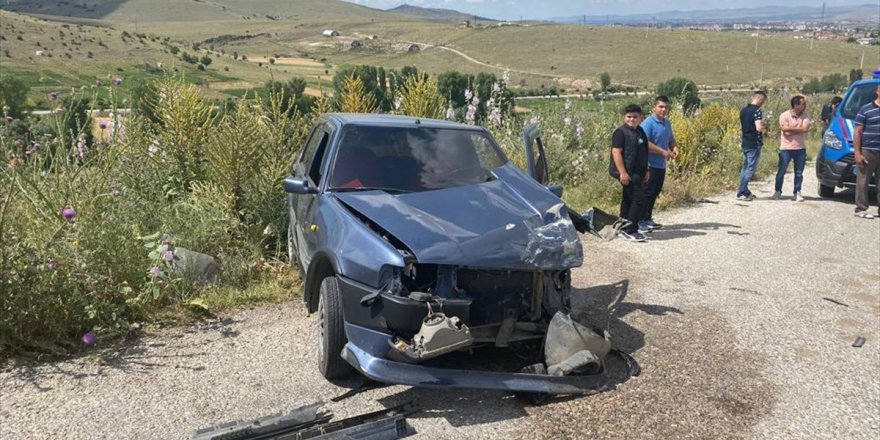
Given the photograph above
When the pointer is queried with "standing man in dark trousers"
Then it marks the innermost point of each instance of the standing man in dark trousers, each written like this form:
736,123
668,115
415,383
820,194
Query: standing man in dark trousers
752,123
629,165
866,143
661,146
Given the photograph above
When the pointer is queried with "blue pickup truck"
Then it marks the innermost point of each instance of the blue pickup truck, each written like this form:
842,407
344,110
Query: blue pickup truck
835,163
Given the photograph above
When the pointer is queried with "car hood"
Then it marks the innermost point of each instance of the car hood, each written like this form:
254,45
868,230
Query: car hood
511,222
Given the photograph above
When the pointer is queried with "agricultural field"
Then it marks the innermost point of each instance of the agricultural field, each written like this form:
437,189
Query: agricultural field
133,38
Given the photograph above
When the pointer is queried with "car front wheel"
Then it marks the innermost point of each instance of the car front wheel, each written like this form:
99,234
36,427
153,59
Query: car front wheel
331,331
826,191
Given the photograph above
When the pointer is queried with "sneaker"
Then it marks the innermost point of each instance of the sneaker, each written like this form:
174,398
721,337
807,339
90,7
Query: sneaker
798,197
644,227
632,236
864,214
653,225
777,195
745,197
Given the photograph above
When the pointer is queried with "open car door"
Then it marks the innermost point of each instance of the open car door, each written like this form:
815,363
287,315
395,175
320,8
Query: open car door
536,160
594,220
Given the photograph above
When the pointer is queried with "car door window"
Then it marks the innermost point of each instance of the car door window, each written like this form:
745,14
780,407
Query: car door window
316,165
308,152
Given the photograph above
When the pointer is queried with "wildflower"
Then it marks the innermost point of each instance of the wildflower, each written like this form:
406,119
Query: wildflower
98,83
155,271
471,115
579,130
116,192
81,148
168,256
36,146
9,118
53,95
450,113
398,102
496,87
568,104
153,148
495,116
506,77
102,125
89,338
68,213
50,264
117,80
567,121
468,94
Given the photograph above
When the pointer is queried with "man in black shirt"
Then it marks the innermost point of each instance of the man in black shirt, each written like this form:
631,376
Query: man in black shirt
828,112
752,122
629,165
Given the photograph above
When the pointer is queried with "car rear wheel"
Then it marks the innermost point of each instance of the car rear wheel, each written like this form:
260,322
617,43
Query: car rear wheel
331,331
826,191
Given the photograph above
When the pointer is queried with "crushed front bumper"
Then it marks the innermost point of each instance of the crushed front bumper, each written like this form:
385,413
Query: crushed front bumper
366,351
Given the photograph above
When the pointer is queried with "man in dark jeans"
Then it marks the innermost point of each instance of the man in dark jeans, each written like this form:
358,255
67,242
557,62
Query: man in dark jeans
629,165
752,123
661,146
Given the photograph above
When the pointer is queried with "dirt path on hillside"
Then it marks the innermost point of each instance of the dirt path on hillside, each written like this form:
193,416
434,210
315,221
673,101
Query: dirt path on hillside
741,315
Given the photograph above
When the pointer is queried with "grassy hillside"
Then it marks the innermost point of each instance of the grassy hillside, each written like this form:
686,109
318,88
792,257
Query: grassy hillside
191,10
290,32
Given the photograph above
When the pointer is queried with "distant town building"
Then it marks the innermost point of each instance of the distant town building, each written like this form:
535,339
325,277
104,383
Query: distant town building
330,33
351,44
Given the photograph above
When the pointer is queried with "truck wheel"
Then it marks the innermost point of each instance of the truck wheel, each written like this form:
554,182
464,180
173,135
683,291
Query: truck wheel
331,331
826,191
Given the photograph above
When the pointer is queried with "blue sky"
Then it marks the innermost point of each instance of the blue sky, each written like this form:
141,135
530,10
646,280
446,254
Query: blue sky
514,9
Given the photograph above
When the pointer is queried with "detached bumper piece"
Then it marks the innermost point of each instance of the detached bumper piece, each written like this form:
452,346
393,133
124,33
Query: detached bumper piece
306,423
367,350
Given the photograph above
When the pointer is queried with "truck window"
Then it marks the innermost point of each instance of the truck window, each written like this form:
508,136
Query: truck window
317,162
859,96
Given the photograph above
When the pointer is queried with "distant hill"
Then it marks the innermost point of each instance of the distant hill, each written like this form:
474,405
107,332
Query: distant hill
436,13
867,13
191,10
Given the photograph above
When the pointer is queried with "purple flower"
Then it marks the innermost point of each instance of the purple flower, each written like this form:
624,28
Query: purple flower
53,95
89,338
80,149
117,80
168,256
155,271
50,264
68,213
36,146
9,118
102,125
27,153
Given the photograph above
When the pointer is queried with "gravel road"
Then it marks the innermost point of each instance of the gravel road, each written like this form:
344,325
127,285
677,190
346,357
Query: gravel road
742,316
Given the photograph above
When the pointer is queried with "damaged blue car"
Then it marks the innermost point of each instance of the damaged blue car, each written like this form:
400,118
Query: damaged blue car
417,238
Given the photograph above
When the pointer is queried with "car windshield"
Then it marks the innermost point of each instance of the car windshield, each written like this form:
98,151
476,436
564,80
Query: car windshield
412,159
861,95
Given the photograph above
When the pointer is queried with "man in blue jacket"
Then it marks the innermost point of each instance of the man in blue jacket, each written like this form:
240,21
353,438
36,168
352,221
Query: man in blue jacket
661,147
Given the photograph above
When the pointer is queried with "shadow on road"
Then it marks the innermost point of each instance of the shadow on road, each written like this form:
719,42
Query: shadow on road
670,232
138,358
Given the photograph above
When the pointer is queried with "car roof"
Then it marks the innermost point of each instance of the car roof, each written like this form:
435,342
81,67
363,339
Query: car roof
383,120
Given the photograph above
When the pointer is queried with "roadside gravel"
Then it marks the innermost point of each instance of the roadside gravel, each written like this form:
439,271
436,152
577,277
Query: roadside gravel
725,310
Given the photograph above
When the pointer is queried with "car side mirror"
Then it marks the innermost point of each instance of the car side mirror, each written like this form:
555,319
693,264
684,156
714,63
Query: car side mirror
556,190
298,186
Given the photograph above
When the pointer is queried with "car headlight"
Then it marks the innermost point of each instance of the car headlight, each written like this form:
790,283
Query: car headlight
389,280
831,141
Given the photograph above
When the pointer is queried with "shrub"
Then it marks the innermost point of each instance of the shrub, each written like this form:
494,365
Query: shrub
682,90
354,98
421,97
